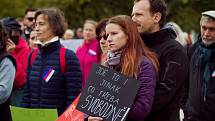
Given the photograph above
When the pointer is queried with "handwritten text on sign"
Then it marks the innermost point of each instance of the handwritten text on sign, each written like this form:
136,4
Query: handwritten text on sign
107,94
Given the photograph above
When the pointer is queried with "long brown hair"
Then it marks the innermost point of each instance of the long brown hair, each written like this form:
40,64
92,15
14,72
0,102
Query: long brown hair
135,48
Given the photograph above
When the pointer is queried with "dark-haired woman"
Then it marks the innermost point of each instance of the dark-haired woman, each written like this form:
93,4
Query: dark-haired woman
7,76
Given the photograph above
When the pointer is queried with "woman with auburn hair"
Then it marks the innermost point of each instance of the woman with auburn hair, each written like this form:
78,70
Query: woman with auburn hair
129,55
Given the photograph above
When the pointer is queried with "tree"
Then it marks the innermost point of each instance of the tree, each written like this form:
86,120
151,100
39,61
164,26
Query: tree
186,13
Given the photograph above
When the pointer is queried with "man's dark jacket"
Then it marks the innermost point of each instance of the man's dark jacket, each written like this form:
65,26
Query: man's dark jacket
172,75
201,100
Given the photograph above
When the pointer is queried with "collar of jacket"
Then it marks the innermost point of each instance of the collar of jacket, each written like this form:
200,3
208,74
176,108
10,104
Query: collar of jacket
48,48
158,37
56,38
90,43
205,54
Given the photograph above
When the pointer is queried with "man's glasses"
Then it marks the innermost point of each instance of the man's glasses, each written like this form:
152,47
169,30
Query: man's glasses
100,37
30,18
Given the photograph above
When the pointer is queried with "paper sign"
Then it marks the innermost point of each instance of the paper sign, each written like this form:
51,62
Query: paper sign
26,114
71,114
107,94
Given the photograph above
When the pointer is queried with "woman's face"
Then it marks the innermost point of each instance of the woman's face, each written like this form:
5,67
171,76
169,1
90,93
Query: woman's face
33,38
103,42
117,39
43,29
89,32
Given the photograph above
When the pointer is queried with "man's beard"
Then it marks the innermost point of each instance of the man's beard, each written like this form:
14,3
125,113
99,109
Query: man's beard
208,42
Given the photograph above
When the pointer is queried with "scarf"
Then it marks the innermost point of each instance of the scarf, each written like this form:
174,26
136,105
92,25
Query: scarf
113,58
205,55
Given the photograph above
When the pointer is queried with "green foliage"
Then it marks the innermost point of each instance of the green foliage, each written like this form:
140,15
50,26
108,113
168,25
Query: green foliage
187,13
184,12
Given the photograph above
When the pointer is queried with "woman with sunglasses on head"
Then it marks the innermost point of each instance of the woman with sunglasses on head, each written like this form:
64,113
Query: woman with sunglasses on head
88,52
102,39
131,57
7,76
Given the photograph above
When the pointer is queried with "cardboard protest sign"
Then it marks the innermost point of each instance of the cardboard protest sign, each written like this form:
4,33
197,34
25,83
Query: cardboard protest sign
26,114
107,94
71,114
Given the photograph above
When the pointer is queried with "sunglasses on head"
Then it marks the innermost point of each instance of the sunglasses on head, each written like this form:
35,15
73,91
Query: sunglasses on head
100,37
30,18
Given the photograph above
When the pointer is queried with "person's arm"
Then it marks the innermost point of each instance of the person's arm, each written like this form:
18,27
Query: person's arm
90,118
21,60
73,77
145,95
173,73
7,76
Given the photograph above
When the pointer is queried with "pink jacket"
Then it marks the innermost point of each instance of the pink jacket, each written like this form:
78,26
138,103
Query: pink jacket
87,55
21,54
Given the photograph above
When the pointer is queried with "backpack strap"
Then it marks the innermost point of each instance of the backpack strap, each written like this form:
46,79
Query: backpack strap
63,59
2,55
33,56
5,54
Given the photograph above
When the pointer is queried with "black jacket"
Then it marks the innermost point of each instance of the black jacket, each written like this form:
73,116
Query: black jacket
61,89
172,75
201,106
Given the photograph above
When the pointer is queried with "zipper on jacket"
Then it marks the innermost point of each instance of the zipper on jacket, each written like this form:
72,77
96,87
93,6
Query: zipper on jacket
43,61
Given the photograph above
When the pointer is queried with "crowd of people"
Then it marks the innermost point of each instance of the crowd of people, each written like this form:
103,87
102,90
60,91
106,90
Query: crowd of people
45,65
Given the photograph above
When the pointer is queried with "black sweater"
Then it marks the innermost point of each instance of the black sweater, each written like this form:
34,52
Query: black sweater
172,75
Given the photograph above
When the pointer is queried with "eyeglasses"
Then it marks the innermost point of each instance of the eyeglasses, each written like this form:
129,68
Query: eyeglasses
30,18
100,37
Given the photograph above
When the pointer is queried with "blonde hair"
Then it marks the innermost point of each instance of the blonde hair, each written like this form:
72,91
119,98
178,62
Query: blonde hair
88,21
69,34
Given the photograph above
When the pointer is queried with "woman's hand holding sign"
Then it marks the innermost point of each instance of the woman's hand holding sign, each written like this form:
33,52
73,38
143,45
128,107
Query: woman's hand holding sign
90,118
